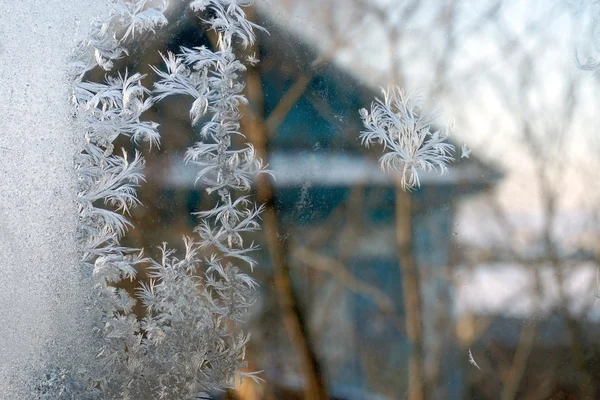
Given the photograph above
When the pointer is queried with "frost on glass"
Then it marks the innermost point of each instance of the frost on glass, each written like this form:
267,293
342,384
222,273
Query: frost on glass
467,268
189,342
40,289
410,142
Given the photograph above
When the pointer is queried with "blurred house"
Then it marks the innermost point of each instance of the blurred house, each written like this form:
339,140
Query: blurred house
336,209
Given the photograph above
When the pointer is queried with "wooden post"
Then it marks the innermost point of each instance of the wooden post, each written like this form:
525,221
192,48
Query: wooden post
410,293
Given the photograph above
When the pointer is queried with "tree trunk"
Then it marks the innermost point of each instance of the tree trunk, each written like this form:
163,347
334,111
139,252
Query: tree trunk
255,128
411,294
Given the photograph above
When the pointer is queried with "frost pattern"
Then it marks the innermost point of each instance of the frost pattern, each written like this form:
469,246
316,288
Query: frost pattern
211,79
590,8
189,342
108,37
472,360
411,141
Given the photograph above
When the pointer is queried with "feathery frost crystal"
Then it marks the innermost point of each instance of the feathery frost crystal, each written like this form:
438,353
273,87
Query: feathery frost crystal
108,38
472,360
411,141
189,342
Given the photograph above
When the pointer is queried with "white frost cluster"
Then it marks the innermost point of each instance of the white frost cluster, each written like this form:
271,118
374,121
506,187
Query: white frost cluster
114,108
212,80
108,37
189,342
411,141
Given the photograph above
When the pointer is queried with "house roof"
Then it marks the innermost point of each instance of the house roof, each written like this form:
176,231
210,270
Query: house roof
328,169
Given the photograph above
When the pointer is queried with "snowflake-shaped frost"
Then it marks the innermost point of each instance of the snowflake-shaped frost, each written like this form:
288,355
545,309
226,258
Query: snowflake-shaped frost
410,140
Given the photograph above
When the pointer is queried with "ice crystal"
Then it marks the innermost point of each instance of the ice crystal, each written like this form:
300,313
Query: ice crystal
472,360
410,139
465,151
183,346
188,343
108,37
114,108
252,60
211,78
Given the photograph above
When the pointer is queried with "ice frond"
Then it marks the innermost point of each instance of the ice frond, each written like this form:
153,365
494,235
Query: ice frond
178,79
472,360
188,343
114,108
212,79
407,133
114,183
116,267
236,171
138,18
108,37
229,19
